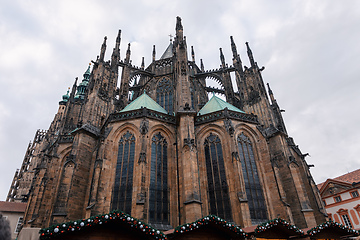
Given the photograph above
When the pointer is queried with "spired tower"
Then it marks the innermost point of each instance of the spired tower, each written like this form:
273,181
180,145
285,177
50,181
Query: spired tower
159,149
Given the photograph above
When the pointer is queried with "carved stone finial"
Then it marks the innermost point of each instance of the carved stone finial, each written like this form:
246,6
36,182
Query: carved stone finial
187,107
190,142
178,23
144,125
229,126
142,157
235,156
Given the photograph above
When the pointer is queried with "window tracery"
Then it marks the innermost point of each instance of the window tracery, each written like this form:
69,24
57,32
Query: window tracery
158,190
122,194
218,192
164,94
253,187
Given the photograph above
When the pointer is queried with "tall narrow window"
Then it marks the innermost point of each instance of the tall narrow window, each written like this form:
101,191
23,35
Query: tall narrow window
122,194
164,94
218,192
64,188
347,221
253,188
158,199
19,224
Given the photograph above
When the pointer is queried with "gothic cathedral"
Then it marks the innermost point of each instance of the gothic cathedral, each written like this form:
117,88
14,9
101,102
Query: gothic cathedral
164,150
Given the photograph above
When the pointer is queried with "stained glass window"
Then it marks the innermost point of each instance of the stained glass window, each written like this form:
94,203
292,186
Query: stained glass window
218,191
164,94
122,194
253,188
158,199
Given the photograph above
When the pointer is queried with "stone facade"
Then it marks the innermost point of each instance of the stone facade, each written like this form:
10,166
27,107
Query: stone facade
170,168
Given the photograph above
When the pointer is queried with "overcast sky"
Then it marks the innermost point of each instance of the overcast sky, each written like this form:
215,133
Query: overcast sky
310,50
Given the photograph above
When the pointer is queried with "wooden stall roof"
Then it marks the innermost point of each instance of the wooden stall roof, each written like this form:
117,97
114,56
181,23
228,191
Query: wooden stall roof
278,229
331,230
211,225
101,225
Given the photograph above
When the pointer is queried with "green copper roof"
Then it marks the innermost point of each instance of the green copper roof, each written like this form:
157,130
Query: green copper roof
146,102
65,98
217,104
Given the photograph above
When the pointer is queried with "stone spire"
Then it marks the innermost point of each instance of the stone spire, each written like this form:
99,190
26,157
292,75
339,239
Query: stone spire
142,63
236,56
116,52
128,52
250,55
192,54
103,49
153,53
222,58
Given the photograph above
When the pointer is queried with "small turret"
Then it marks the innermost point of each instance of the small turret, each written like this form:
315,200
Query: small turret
80,94
65,98
201,65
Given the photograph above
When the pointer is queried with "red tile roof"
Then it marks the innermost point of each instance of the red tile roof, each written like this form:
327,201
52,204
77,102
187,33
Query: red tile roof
350,177
12,207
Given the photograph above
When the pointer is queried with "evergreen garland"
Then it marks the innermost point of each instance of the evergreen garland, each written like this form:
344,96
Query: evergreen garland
82,224
277,221
205,221
329,224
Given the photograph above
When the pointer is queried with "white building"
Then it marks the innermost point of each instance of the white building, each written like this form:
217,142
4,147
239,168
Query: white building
342,199
14,213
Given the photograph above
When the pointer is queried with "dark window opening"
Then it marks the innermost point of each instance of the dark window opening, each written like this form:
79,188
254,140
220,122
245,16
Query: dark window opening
218,191
253,189
122,194
354,194
347,221
158,199
164,94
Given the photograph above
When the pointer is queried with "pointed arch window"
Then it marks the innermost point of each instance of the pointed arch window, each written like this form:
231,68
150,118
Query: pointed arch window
218,191
122,193
164,94
64,187
158,199
253,187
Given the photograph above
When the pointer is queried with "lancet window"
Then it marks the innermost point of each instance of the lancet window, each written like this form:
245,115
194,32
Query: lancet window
122,193
218,191
164,94
253,187
64,188
159,199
